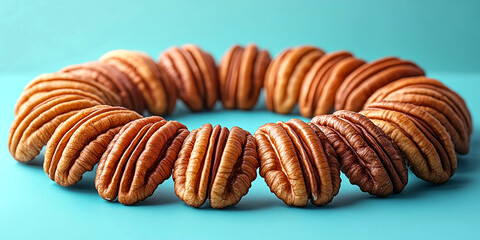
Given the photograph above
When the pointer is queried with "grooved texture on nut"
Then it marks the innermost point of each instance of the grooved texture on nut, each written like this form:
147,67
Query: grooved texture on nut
368,157
426,144
298,163
241,74
158,92
138,159
215,163
77,144
112,78
194,74
285,76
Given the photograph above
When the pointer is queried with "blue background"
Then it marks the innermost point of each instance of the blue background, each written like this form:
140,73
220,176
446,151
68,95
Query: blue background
43,36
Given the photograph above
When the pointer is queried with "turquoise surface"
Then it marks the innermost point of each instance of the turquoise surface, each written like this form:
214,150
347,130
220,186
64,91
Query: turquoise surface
44,36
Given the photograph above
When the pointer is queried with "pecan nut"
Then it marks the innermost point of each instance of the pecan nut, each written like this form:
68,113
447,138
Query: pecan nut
113,79
77,144
438,100
215,163
158,92
298,163
424,141
368,157
194,73
48,82
138,159
242,73
365,80
285,75
38,118
317,94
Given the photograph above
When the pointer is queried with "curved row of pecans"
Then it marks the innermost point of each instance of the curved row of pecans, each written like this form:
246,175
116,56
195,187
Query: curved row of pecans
89,114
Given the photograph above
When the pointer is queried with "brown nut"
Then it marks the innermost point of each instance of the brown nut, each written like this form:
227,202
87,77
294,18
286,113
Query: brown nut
77,144
285,75
242,73
365,80
436,99
317,94
38,118
424,141
368,157
113,79
138,159
158,92
215,163
48,82
194,73
298,163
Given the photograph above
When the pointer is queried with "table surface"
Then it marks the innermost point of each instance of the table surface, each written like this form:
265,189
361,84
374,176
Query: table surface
33,206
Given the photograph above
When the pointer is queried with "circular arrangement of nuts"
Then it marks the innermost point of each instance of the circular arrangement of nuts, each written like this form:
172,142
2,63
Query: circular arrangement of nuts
387,116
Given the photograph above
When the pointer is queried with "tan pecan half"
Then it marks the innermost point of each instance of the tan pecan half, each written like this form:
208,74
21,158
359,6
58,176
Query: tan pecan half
158,92
138,159
112,78
215,163
285,75
242,73
298,162
365,80
48,82
194,73
317,94
424,141
38,118
368,157
438,100
77,144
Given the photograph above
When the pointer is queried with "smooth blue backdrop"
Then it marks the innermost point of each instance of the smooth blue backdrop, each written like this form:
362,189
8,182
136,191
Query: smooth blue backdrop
43,36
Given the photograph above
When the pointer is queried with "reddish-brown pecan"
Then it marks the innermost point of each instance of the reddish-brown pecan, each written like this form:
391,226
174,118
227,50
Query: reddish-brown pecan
215,163
49,82
242,73
38,118
158,92
368,157
113,79
424,141
285,75
317,94
194,73
297,162
365,80
77,144
138,159
438,100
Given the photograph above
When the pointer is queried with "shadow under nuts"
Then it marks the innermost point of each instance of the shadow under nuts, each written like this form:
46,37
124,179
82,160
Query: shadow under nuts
215,163
298,163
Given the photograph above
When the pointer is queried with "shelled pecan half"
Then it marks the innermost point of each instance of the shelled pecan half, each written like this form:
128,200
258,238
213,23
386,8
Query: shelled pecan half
365,80
215,163
194,73
113,79
285,76
368,157
48,82
138,159
158,92
317,94
298,162
242,73
426,144
38,117
438,100
77,144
